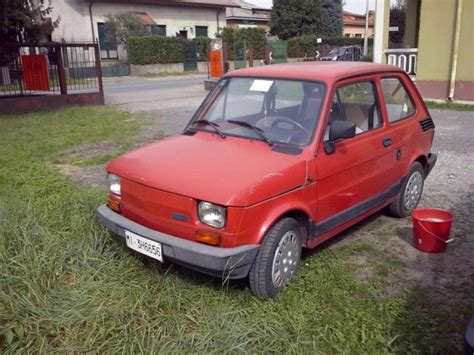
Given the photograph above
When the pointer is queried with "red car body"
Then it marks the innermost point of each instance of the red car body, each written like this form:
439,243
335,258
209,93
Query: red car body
162,183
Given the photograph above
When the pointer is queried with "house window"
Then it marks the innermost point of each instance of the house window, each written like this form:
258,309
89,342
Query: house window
158,30
201,31
347,35
107,42
182,34
358,35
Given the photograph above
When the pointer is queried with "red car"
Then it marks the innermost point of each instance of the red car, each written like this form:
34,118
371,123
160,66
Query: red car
276,159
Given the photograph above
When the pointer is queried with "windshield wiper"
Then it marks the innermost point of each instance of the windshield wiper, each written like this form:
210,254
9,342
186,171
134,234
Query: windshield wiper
256,129
214,125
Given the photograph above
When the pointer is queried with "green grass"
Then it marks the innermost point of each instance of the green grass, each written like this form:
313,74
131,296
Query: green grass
67,286
449,106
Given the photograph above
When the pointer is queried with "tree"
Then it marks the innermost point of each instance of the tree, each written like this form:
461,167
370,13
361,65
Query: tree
292,18
331,24
123,25
25,20
397,19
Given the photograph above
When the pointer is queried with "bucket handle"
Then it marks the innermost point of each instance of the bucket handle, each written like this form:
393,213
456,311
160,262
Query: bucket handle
432,234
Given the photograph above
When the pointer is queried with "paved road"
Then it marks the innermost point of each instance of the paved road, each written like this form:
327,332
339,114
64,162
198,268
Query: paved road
132,89
170,101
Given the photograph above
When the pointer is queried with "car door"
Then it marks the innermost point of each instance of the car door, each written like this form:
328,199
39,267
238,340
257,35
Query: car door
356,176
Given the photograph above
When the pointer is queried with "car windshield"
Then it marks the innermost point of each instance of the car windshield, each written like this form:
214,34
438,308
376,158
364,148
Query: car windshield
272,110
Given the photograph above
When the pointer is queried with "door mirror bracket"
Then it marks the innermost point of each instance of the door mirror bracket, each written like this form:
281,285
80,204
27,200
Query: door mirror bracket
338,130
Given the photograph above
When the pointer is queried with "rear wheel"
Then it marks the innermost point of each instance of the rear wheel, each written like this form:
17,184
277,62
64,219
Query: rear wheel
410,194
277,259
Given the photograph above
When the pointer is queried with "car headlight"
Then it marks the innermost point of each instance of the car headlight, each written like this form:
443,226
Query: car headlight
114,184
211,214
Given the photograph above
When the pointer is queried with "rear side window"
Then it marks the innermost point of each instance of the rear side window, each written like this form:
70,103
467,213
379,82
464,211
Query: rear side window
359,105
398,101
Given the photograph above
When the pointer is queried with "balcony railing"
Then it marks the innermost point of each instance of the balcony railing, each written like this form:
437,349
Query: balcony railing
404,58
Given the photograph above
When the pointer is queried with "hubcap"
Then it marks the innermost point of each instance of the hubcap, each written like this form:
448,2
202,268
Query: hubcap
413,191
285,259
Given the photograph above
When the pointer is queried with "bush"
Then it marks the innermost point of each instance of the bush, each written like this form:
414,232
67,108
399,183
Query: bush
305,46
255,38
155,50
202,47
367,58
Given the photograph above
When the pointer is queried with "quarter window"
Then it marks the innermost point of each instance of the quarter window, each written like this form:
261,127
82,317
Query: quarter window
398,102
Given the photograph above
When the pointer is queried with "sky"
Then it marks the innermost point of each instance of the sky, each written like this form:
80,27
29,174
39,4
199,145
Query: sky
357,6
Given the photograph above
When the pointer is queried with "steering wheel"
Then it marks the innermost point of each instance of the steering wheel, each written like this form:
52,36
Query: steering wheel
277,119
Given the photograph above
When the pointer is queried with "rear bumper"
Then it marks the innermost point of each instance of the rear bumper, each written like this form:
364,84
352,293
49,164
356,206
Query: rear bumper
233,263
431,163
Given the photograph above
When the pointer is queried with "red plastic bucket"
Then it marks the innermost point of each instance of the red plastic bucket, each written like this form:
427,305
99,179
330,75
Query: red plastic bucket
431,228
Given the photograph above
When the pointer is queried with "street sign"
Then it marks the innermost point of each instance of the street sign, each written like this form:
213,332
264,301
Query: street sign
393,29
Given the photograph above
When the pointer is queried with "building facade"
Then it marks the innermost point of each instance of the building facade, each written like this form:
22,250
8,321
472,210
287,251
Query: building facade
84,21
439,46
354,24
248,15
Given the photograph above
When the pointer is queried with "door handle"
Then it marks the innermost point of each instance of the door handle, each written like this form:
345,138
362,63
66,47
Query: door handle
387,142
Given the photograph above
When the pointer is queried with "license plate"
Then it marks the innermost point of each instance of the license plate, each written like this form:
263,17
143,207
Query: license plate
143,245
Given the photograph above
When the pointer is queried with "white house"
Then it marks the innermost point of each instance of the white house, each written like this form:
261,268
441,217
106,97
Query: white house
83,20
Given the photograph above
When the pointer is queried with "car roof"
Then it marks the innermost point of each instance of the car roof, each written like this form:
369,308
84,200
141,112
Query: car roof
329,71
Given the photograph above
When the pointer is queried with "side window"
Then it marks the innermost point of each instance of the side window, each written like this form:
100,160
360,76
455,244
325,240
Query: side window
359,105
398,102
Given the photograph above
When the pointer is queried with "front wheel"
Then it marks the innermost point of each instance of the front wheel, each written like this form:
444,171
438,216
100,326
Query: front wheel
277,259
410,194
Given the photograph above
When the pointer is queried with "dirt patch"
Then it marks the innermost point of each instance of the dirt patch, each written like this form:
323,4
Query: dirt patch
86,151
92,176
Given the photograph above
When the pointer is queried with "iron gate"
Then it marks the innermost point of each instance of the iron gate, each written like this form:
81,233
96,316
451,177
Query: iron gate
190,56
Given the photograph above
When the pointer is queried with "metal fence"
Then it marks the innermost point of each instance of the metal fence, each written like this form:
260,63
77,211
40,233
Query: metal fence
49,69
405,58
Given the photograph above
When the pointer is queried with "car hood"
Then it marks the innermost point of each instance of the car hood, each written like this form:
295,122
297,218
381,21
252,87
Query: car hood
230,172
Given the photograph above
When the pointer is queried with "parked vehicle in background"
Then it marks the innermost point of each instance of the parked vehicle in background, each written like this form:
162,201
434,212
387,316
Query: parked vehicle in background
347,53
276,159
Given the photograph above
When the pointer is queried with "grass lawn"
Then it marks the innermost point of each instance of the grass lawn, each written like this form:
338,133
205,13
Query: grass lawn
66,285
449,106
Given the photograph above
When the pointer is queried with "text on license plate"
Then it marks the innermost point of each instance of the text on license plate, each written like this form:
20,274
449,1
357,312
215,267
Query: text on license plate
143,245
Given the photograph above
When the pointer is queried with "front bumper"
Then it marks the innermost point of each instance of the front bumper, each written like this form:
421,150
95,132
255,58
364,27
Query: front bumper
431,163
233,263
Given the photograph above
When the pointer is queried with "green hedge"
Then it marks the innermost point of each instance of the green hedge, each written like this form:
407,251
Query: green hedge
163,50
202,47
305,46
254,37
155,50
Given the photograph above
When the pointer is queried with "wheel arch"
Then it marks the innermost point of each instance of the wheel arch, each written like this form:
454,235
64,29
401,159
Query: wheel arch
417,157
299,214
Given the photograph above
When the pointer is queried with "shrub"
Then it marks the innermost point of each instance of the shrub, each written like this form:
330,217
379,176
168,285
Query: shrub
305,46
367,58
255,38
155,50
202,47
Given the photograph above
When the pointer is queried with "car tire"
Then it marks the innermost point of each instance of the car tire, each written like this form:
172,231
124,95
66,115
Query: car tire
277,259
410,194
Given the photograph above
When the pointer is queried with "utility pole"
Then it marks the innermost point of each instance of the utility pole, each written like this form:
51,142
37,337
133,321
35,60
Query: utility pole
366,40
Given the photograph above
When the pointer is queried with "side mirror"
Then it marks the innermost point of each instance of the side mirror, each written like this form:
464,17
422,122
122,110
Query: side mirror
337,131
